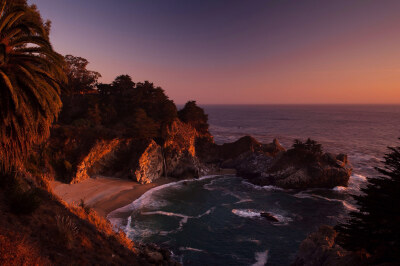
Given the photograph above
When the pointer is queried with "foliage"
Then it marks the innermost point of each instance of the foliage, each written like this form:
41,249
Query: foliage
137,110
376,226
143,126
310,145
195,116
80,79
30,77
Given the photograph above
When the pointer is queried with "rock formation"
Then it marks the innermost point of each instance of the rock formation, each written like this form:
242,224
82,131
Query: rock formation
319,248
183,152
295,168
150,164
181,160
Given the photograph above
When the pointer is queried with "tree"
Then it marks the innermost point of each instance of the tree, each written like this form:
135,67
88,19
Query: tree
310,145
30,76
376,227
143,127
80,79
123,84
195,116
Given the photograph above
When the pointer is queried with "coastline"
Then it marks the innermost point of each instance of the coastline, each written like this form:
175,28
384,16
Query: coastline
104,194
107,194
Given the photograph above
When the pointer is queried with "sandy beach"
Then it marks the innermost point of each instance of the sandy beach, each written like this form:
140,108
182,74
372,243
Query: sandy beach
104,194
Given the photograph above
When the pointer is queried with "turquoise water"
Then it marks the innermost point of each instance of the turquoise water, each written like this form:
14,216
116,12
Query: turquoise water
215,220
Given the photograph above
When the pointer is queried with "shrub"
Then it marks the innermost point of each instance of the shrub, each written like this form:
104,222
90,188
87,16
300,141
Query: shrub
85,207
310,145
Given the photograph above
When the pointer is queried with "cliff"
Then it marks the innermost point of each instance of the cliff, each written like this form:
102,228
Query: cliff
143,160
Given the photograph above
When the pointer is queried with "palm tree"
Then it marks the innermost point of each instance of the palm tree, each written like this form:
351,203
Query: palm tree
30,77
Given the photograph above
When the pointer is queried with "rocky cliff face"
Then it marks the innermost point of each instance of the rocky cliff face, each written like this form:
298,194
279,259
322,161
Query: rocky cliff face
181,160
150,164
294,168
93,163
142,160
319,248
185,153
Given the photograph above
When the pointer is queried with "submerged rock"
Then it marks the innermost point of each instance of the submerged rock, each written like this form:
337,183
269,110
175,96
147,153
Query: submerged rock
269,217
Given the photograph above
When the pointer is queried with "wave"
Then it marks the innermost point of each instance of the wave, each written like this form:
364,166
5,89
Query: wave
261,258
145,200
212,186
255,241
346,205
267,188
191,249
246,213
184,218
356,182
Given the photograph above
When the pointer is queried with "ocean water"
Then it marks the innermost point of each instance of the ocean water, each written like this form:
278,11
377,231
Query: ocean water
215,220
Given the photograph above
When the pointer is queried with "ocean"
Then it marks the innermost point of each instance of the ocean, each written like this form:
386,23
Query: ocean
215,220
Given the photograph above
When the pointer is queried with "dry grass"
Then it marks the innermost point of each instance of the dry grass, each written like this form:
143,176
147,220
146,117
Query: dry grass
67,229
102,225
16,250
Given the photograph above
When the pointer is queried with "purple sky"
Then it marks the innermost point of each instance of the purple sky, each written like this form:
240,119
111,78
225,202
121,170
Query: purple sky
239,52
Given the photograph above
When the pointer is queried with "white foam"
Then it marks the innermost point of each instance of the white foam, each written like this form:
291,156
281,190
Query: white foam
191,249
347,205
145,200
339,188
246,213
356,182
268,188
272,188
184,218
243,201
283,220
255,241
261,258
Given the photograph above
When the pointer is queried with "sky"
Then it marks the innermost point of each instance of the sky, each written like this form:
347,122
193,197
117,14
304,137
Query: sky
239,52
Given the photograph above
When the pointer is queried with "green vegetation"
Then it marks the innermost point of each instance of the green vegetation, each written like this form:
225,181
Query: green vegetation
376,227
30,76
